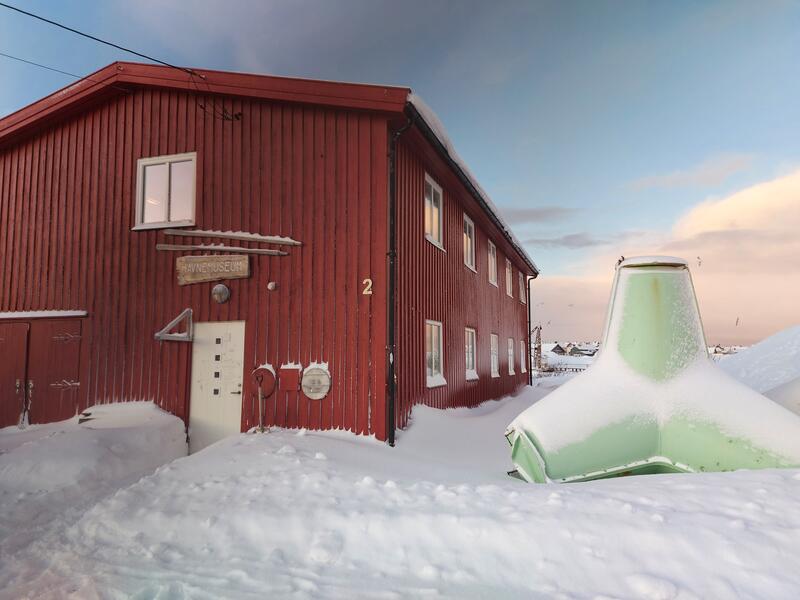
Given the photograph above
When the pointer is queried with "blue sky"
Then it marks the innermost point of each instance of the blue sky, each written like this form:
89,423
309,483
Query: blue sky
597,124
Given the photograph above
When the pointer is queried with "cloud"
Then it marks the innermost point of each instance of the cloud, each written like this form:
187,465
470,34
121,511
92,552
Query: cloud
744,254
535,214
710,173
570,240
584,240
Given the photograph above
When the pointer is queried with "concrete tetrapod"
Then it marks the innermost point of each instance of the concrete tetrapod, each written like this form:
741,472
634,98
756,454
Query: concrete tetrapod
653,401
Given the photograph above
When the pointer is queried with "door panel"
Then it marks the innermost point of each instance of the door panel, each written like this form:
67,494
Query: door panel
13,355
215,409
53,363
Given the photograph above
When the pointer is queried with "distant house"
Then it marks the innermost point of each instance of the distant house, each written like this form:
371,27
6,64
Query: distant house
558,349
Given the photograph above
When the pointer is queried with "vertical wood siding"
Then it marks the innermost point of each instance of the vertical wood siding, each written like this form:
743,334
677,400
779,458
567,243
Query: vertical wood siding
437,285
318,175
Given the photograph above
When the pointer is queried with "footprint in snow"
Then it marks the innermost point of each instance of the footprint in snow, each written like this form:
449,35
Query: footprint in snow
326,547
429,573
287,449
651,587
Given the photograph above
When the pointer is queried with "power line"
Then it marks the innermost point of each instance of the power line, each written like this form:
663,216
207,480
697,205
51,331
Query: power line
97,39
41,66
35,64
224,115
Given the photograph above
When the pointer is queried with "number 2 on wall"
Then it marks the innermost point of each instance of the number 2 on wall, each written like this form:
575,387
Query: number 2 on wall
367,287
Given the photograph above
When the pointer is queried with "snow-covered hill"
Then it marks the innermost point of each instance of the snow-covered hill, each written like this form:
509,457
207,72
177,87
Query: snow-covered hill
768,364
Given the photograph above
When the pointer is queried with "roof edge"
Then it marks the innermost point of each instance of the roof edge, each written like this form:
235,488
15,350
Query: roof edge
454,162
121,76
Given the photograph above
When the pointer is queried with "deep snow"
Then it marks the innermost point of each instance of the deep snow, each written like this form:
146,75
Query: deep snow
768,364
50,474
331,515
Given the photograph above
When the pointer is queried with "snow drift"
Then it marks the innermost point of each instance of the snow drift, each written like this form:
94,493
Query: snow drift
50,474
771,367
653,401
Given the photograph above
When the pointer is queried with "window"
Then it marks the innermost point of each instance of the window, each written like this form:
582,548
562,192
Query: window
492,264
165,191
469,243
433,211
522,293
522,355
510,356
469,353
509,279
494,349
433,354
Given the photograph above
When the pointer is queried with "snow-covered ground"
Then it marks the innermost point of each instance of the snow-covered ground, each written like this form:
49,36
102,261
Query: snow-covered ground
331,515
51,474
771,367
768,364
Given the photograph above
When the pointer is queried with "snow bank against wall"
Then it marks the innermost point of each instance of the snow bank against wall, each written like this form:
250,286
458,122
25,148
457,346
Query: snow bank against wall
50,474
119,441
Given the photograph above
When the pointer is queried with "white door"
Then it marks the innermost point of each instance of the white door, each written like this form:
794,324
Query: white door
215,410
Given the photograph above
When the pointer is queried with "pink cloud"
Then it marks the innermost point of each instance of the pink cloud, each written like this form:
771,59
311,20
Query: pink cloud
744,252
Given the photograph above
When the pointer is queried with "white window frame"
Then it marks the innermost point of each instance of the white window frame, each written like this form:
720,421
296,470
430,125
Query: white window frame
511,352
471,339
494,354
522,357
509,279
159,160
433,380
437,241
492,254
469,257
522,293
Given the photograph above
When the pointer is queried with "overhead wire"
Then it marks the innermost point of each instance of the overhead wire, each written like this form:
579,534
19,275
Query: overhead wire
55,70
97,39
224,115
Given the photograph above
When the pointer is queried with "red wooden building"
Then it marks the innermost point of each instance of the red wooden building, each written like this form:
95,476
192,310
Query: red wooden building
360,268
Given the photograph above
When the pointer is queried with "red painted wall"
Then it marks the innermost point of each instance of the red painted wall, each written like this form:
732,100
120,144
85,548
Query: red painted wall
437,285
316,174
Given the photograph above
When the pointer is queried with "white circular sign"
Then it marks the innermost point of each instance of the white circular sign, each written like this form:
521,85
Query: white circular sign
316,383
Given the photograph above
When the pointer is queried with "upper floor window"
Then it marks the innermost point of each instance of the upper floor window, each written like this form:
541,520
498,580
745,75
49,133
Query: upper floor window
495,356
433,354
433,211
509,279
522,355
492,264
469,242
165,191
510,356
522,293
469,354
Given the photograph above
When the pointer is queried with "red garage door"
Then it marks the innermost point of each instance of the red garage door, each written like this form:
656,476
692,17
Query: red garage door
53,355
13,355
39,365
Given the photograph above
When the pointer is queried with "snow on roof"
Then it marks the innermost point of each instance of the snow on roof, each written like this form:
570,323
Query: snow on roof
437,127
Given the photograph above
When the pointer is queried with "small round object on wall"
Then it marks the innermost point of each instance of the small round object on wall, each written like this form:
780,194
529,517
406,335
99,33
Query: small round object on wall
316,383
220,293
272,286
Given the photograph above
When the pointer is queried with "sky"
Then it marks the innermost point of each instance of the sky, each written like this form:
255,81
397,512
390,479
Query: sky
601,128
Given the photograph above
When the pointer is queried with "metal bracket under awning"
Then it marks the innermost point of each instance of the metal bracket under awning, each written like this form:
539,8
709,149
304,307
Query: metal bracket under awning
164,334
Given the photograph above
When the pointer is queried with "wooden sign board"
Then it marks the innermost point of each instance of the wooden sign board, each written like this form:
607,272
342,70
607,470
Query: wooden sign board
196,269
